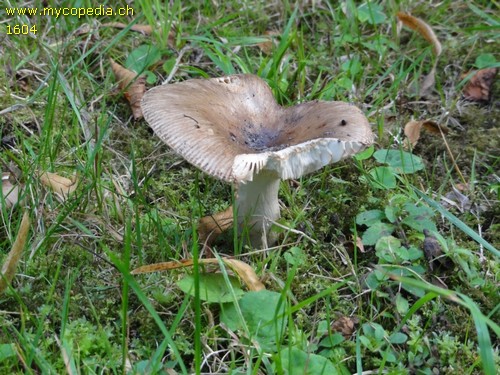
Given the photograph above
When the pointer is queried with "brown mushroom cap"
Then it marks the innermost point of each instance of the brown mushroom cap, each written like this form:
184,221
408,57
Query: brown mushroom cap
232,128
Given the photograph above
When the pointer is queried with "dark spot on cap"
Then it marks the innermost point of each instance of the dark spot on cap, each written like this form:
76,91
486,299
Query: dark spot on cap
195,121
343,123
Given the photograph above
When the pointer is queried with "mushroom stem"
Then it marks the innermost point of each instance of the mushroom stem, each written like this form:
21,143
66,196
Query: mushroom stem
257,205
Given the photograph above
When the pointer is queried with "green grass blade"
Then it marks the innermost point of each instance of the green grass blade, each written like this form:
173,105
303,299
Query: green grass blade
481,322
458,223
483,337
129,279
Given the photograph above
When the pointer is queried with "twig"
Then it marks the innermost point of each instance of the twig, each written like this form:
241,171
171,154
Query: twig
293,231
176,65
455,165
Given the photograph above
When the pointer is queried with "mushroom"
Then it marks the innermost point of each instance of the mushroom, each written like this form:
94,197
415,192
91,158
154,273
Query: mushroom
232,128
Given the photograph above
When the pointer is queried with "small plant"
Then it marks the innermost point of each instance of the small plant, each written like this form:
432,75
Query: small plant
399,216
377,340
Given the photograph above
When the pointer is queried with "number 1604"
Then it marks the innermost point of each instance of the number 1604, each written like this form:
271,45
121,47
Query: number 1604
20,29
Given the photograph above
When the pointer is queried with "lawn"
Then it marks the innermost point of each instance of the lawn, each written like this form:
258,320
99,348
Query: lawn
384,262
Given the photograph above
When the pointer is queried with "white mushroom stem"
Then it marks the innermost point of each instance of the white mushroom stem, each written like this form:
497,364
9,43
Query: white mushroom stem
257,205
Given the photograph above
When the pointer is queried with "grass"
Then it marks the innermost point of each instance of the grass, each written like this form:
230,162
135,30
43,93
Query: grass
331,306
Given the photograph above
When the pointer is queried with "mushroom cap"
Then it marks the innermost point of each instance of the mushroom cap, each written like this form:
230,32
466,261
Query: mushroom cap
232,128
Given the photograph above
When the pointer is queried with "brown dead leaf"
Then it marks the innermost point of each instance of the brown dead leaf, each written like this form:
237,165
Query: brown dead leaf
10,191
478,88
133,86
428,83
344,325
412,132
62,186
143,29
462,187
423,29
244,271
359,244
10,265
163,266
268,46
211,226
434,127
413,128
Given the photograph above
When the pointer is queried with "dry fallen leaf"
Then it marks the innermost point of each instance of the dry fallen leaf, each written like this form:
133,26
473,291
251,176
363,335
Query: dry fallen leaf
427,84
10,191
413,128
478,89
134,87
423,29
10,264
434,127
345,325
62,186
359,244
143,29
268,46
412,132
244,271
212,226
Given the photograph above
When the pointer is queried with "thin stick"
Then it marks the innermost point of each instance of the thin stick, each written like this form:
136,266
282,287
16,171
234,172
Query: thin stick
455,165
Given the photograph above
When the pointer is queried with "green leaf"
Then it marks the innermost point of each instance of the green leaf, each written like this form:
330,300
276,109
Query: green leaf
169,65
370,217
295,256
297,362
213,288
387,248
323,328
414,253
402,304
389,355
352,66
371,13
345,83
419,217
331,340
376,231
382,178
263,314
366,342
365,154
142,58
485,60
390,213
379,332
7,351
150,77
375,278
400,161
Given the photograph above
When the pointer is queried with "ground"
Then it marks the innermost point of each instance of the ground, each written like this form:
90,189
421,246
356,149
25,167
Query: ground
378,266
